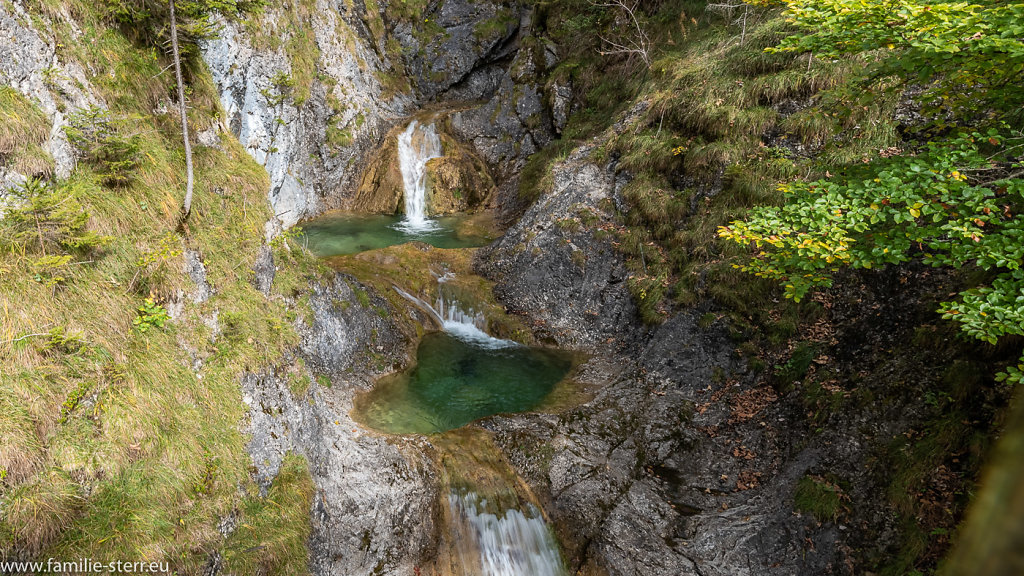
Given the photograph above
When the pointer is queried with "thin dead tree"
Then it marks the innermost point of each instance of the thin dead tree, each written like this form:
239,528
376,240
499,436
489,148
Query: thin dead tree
186,208
635,43
726,9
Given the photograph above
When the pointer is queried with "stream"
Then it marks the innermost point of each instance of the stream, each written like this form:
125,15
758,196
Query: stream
339,234
461,374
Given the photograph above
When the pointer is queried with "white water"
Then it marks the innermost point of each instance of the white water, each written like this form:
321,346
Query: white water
416,146
464,323
510,545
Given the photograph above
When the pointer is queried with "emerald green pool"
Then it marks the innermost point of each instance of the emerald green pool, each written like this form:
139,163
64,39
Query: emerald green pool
461,378
341,234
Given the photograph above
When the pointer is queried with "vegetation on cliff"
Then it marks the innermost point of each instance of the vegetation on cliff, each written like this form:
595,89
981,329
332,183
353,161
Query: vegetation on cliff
115,446
951,195
894,132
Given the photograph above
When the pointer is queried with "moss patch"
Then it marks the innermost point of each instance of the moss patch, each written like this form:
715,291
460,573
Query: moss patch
819,497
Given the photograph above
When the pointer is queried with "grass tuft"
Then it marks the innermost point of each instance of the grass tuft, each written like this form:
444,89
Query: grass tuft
819,497
22,123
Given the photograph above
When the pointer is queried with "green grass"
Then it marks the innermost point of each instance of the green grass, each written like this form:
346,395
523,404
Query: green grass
113,447
273,538
819,497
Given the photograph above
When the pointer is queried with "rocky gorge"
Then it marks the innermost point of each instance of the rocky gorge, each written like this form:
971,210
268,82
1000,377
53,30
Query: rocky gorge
673,447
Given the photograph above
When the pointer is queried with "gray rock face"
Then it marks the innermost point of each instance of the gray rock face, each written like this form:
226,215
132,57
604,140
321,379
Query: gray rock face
264,270
553,267
374,504
346,338
462,52
307,173
196,270
561,102
475,34
30,65
513,122
651,476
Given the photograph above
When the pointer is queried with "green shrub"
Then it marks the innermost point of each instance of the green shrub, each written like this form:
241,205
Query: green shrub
47,219
100,138
150,315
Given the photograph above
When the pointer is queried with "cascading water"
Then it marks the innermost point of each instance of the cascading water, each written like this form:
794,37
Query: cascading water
464,323
513,544
461,374
417,145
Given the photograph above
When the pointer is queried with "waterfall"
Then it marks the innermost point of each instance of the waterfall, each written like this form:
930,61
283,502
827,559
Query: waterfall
416,146
463,323
513,544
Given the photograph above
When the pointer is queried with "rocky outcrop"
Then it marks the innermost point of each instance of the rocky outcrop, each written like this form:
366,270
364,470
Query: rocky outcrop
652,475
454,39
470,53
685,460
484,58
313,149
514,121
457,182
375,498
29,63
557,266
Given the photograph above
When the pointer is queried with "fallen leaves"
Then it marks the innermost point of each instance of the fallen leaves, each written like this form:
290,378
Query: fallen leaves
748,404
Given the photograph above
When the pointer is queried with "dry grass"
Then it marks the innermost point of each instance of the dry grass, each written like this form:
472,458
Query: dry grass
113,447
22,123
39,510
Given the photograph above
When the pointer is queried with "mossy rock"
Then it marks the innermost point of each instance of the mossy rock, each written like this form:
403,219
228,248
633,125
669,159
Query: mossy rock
458,181
380,190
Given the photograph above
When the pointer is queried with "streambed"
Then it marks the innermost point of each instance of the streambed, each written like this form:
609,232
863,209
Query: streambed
343,234
461,373
460,378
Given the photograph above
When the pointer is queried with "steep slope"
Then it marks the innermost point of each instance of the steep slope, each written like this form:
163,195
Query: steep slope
180,394
746,434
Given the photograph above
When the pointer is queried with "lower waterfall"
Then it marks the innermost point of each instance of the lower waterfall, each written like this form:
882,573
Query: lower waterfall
512,544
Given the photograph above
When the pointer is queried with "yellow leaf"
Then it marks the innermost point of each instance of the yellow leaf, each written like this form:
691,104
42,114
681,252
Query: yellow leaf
915,212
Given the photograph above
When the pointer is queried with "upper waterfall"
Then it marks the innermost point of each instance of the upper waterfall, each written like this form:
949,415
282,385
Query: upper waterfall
417,145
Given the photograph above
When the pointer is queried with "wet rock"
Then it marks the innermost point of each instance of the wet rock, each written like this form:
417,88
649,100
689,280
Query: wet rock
505,131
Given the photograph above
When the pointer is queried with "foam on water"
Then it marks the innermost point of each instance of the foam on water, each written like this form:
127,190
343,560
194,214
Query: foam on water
466,324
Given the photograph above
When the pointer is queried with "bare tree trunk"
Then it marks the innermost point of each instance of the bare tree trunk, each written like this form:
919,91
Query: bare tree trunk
186,208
